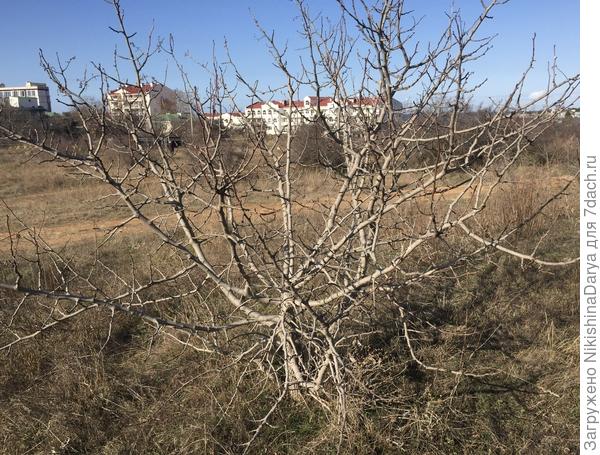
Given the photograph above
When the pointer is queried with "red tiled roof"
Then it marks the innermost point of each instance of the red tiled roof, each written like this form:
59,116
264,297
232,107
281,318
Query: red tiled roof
322,100
365,101
294,103
325,101
134,89
279,104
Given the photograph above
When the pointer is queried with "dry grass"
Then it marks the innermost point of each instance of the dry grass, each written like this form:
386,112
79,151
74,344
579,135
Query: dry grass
73,392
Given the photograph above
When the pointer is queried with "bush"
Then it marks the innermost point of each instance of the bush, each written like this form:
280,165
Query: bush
313,146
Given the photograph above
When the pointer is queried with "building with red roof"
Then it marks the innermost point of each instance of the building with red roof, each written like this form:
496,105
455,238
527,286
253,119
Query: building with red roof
142,100
276,116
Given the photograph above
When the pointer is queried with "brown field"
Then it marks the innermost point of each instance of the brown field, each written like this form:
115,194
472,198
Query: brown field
75,390
69,209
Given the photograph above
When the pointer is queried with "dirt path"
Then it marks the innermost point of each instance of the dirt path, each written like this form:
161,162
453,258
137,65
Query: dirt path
63,234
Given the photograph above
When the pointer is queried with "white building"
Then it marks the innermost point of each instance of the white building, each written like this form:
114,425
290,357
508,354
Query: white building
33,95
133,99
227,120
275,116
233,120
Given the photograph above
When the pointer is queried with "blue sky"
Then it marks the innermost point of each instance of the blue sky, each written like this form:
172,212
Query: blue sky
79,29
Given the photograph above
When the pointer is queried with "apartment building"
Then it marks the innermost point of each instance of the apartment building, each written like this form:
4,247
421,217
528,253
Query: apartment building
33,95
133,99
275,116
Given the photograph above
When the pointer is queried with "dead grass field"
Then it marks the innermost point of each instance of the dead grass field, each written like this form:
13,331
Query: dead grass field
66,208
74,391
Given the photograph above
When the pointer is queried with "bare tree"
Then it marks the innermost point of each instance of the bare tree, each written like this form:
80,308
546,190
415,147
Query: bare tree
258,273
